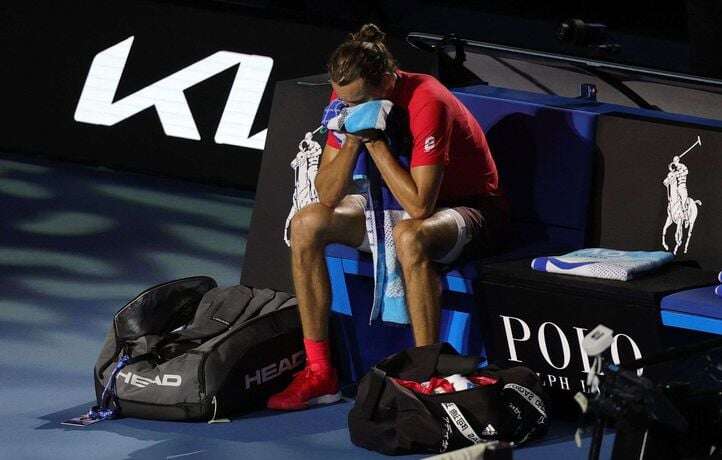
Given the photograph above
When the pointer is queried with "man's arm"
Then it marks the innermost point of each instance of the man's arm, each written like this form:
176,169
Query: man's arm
416,191
334,173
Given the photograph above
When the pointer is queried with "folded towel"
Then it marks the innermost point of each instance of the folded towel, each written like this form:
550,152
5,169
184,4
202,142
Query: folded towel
603,263
382,209
718,290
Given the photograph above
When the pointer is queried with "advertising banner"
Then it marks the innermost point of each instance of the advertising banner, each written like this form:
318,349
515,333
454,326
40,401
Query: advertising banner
155,86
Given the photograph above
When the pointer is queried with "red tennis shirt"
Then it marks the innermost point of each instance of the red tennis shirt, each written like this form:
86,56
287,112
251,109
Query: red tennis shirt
443,131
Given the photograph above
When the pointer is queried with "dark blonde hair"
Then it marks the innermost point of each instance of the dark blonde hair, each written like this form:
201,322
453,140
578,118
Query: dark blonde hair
363,54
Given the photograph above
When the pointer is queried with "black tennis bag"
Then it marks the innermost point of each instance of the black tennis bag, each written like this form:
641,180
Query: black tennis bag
392,419
188,350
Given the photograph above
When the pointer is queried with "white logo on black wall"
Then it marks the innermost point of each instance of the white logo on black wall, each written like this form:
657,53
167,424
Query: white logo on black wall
518,332
305,169
96,105
682,210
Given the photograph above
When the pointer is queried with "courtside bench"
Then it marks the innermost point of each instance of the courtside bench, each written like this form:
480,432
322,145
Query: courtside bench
578,173
561,185
694,309
544,149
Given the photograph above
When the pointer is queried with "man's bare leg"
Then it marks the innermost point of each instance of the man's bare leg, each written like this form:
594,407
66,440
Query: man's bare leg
312,228
418,243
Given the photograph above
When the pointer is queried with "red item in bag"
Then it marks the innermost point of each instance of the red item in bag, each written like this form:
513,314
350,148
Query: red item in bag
439,385
435,385
416,387
482,380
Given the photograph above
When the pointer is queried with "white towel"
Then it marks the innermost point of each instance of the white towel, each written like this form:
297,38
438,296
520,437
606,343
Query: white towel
603,263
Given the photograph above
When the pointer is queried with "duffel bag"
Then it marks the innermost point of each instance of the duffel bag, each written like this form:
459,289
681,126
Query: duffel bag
390,418
189,350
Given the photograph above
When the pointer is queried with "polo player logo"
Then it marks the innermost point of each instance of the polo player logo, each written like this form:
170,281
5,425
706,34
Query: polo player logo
305,168
681,208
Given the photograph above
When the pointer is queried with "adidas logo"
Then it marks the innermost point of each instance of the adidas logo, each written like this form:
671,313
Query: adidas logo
489,431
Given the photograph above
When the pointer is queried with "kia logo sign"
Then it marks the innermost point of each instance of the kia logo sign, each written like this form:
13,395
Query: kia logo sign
167,96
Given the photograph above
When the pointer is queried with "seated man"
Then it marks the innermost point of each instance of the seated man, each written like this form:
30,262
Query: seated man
450,193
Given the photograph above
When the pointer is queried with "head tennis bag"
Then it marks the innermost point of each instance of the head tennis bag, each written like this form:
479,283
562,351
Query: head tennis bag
190,350
392,419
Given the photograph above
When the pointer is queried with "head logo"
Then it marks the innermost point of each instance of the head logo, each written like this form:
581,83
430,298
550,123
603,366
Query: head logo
274,370
167,96
166,380
681,208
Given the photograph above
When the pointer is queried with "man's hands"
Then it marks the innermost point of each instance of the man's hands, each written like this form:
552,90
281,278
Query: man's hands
334,174
416,190
356,140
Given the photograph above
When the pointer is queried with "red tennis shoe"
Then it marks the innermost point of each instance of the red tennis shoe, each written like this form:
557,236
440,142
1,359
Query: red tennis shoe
308,388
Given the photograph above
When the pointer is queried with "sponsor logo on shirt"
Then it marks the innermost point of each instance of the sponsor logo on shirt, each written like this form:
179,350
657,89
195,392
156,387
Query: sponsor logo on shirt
429,143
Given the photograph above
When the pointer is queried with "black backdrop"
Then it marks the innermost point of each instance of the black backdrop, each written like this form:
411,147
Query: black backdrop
267,259
629,199
632,206
47,48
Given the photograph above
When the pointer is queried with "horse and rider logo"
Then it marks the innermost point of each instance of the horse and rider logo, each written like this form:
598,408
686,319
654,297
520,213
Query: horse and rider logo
682,210
305,167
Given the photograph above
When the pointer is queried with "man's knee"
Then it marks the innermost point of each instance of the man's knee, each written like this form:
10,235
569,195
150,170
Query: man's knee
411,242
308,226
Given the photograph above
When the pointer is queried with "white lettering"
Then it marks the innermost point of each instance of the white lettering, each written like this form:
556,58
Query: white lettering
284,365
590,389
139,381
124,375
171,380
256,378
522,333
167,380
274,370
635,349
541,336
581,332
510,339
551,379
269,372
167,95
529,395
564,383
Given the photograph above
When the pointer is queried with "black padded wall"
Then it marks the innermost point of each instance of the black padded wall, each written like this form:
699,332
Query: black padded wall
296,110
633,201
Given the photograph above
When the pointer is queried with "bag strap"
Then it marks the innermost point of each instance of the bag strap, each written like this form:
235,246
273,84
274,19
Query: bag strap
217,312
377,381
109,404
456,364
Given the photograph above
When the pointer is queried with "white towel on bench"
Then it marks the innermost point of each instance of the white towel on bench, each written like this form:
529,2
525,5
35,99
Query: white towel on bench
603,263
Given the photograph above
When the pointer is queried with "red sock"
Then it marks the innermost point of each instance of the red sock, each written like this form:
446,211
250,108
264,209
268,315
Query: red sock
318,355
